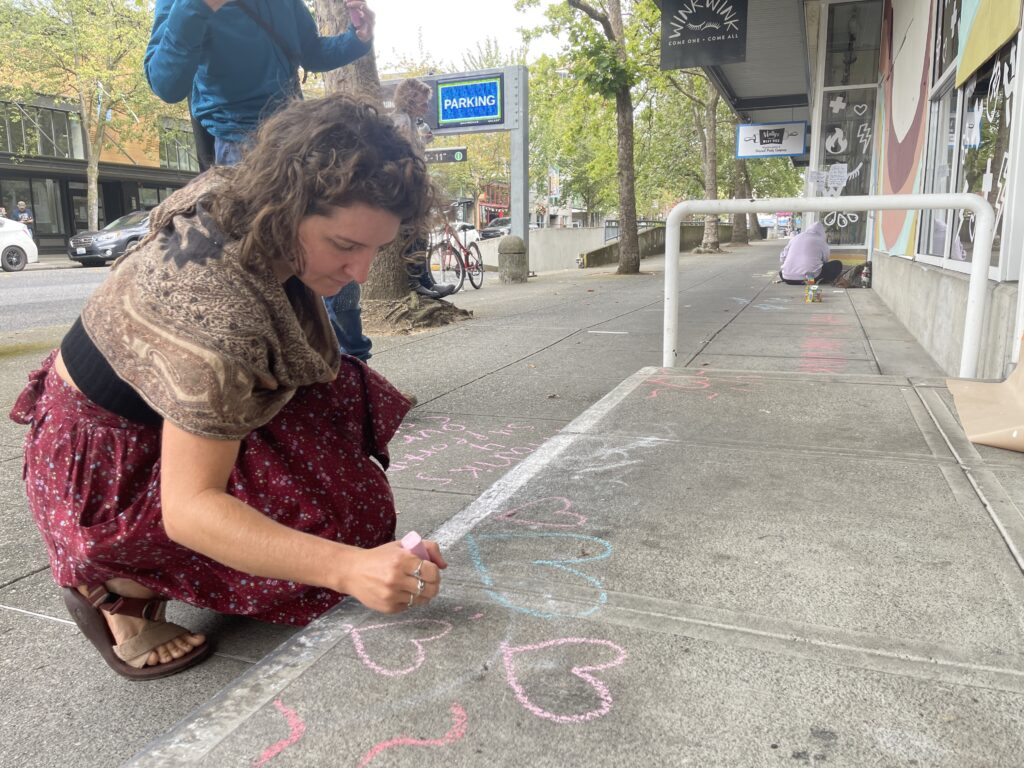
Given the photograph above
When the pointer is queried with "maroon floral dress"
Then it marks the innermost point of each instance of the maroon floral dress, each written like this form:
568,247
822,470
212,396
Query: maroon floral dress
93,484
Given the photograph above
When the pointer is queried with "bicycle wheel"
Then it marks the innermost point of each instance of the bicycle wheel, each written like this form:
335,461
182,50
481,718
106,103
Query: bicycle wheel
446,266
474,266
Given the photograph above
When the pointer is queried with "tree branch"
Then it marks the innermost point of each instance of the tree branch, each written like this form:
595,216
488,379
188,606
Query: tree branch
596,15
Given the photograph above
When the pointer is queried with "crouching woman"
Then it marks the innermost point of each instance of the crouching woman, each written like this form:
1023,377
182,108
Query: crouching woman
197,436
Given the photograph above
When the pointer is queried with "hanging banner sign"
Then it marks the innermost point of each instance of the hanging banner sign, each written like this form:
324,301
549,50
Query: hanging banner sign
771,140
703,33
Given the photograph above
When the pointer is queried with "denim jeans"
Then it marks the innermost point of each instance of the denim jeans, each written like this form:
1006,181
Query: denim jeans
346,318
226,152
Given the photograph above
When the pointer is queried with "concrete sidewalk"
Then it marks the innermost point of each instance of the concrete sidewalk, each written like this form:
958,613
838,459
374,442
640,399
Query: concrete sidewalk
785,552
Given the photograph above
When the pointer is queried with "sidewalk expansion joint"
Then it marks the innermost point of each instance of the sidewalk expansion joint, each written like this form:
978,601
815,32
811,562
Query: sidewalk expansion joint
972,667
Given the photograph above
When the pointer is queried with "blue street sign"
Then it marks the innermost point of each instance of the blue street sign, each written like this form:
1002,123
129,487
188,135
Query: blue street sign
471,102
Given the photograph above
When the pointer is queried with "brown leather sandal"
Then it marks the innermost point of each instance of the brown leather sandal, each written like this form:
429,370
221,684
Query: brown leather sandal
129,658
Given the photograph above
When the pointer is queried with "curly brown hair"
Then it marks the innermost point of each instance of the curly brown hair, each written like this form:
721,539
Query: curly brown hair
309,157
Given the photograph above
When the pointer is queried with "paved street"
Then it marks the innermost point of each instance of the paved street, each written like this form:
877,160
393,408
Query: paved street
782,553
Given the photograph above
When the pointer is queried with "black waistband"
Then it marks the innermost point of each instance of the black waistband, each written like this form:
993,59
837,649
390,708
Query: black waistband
93,375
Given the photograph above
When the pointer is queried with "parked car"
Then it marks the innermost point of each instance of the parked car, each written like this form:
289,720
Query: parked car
94,249
17,248
497,228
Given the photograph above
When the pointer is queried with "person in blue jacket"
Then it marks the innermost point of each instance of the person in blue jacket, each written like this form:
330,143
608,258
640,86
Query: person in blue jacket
238,60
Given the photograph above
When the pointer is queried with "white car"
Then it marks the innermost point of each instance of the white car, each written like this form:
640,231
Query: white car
17,248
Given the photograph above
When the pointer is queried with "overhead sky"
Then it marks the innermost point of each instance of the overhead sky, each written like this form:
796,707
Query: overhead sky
451,27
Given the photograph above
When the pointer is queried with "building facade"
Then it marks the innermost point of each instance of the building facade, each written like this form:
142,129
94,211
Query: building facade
42,162
904,97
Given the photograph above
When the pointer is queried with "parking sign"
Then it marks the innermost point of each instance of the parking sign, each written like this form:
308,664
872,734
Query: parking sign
464,102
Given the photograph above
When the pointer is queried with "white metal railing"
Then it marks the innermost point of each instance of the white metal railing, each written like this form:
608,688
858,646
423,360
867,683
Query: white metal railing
977,296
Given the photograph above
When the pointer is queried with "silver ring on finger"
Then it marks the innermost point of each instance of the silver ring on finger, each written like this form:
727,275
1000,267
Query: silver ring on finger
418,572
411,598
420,584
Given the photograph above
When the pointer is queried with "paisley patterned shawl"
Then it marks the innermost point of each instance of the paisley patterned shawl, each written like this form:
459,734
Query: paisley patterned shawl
214,346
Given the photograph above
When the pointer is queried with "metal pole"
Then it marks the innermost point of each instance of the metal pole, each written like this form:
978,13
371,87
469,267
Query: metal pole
977,292
672,236
516,80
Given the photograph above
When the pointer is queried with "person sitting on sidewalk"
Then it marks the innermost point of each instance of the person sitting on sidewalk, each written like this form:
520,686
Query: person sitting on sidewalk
411,99
806,255
197,436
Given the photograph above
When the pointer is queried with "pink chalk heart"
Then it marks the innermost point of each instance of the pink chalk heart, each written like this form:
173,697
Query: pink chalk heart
534,514
510,655
430,630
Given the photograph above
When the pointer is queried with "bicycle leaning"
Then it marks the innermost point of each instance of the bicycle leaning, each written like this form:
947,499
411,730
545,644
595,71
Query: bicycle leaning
451,261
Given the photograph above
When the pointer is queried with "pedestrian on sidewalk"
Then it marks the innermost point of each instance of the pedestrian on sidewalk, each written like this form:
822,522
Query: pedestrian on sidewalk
197,436
238,61
807,255
411,99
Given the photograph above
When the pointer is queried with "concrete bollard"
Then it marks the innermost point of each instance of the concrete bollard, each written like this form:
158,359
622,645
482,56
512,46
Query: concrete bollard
513,264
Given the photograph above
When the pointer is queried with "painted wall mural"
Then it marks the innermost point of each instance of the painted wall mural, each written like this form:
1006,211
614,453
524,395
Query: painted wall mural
902,113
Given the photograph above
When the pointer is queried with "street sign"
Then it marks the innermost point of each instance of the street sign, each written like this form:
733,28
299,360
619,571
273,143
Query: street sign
471,101
756,140
447,155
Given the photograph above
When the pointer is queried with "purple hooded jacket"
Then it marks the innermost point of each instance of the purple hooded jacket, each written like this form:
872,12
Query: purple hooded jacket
805,254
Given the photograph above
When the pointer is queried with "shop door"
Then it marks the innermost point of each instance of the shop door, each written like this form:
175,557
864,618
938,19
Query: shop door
80,207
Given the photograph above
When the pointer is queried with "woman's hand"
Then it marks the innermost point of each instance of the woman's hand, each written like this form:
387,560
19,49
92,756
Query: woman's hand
362,19
385,578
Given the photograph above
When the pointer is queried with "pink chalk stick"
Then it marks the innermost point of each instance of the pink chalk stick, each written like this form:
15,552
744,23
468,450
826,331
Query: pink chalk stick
413,542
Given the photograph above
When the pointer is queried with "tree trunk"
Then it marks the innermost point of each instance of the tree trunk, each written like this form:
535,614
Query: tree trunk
710,242
740,235
629,242
93,145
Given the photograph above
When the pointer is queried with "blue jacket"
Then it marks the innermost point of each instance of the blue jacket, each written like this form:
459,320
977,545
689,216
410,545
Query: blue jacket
235,72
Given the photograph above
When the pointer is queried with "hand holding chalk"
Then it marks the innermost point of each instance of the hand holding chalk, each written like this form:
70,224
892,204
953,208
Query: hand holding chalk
413,542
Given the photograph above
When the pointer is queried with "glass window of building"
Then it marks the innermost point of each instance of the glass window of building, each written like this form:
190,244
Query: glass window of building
75,132
16,129
149,198
177,146
851,56
40,131
80,206
13,190
985,142
4,146
947,42
47,208
940,168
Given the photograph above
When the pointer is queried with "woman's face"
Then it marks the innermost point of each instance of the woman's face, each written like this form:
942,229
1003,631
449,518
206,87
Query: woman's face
340,245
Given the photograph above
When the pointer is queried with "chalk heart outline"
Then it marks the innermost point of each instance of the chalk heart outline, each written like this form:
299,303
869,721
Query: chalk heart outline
583,672
860,109
357,634
546,503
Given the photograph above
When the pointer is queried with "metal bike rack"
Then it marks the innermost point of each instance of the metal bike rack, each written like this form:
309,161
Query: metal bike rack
977,296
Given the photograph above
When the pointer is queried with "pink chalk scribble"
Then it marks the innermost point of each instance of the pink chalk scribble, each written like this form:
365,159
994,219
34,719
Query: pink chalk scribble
295,730
583,672
546,506
357,634
700,382
455,733
476,616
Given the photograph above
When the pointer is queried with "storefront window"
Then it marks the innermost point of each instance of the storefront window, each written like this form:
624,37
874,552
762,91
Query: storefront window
13,190
948,42
47,207
985,138
854,30
149,198
942,142
40,131
847,141
80,206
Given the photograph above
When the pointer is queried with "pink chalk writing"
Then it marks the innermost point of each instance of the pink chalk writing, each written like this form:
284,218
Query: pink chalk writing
533,514
358,635
710,387
455,733
442,435
510,653
818,355
476,616
295,730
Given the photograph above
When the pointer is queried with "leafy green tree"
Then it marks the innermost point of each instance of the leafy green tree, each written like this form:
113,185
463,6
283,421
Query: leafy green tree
88,52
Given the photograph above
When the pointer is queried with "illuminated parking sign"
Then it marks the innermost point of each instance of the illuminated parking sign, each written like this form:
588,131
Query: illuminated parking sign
477,101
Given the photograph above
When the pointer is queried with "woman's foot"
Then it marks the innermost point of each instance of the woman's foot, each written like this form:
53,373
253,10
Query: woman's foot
124,627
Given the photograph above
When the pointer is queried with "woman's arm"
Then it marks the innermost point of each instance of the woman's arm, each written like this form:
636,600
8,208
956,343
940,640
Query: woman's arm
172,56
199,514
322,54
